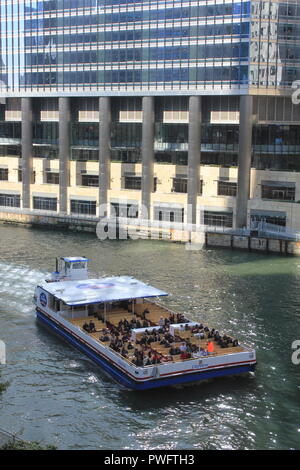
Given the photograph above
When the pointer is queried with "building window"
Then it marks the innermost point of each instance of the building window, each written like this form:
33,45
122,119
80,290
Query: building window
218,219
125,210
278,193
10,200
179,185
45,203
52,178
261,219
84,155
135,182
3,174
226,188
20,176
169,214
6,151
83,207
90,180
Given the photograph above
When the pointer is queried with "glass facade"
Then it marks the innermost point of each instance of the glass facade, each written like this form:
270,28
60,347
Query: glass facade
274,43
148,45
88,70
123,45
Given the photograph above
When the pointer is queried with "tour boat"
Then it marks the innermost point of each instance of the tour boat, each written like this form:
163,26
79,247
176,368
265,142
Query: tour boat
118,322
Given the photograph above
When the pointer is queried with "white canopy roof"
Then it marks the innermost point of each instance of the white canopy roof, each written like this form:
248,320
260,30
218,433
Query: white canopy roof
107,289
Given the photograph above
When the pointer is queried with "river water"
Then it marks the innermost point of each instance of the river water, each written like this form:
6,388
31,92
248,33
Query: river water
58,396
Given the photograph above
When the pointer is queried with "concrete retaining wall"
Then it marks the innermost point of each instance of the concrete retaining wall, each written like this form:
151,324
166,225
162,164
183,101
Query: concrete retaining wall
263,244
194,239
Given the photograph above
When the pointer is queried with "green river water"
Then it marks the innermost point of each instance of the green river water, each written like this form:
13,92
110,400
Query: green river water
58,396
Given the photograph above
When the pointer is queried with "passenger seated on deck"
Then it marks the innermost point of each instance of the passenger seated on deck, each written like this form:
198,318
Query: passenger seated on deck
100,316
146,361
168,337
86,327
164,343
185,355
156,358
174,351
145,313
166,359
104,338
92,327
199,335
143,340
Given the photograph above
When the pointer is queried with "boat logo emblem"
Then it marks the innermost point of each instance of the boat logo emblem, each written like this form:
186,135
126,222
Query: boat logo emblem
101,285
43,299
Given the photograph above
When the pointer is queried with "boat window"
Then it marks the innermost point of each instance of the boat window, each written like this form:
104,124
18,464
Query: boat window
67,266
79,265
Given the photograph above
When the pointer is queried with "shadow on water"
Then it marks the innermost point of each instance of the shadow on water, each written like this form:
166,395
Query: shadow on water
198,392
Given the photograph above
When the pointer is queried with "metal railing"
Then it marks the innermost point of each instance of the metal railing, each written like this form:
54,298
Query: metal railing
265,229
6,437
262,228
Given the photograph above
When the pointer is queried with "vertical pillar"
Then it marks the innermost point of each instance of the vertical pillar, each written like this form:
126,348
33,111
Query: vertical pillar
147,155
194,150
64,152
26,126
244,160
104,152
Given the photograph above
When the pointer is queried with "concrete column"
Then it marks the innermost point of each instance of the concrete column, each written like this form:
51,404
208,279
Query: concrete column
147,155
27,167
64,152
244,160
104,152
194,150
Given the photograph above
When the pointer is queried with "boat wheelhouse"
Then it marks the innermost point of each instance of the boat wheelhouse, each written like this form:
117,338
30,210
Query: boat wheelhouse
118,322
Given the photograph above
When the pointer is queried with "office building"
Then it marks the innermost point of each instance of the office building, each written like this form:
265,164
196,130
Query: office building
162,105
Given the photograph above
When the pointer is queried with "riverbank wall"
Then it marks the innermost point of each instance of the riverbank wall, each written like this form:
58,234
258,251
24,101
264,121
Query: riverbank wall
172,232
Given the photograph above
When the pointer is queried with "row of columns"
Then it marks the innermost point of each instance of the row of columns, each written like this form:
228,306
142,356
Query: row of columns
194,153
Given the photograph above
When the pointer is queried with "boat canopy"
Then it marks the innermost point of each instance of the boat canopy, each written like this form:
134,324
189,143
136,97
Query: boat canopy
74,259
109,289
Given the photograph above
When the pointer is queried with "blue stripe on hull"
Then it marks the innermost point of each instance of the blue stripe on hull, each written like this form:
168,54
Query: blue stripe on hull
130,383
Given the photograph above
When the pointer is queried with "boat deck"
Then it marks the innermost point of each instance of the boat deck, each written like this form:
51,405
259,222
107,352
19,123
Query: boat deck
156,312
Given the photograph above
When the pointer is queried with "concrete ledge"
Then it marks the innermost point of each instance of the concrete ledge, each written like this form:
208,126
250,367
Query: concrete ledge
153,231
259,244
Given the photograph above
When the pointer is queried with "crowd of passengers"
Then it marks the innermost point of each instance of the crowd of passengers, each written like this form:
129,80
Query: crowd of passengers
119,338
135,323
